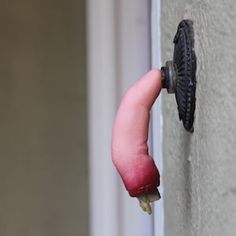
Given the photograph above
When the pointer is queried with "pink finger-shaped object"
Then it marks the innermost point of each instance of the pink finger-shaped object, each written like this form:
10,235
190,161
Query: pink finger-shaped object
130,134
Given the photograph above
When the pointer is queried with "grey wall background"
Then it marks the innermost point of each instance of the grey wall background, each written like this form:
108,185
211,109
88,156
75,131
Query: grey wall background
43,157
200,169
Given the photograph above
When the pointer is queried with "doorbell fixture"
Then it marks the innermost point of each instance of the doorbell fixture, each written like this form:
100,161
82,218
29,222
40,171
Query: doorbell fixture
179,75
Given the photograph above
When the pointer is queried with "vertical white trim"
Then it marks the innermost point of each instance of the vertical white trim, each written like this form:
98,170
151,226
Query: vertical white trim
134,43
104,220
157,118
118,54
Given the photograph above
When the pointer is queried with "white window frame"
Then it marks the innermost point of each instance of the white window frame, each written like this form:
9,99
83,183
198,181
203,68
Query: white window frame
115,61
157,116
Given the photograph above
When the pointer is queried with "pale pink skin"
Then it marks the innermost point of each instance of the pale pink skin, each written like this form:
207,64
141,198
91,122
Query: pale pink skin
130,134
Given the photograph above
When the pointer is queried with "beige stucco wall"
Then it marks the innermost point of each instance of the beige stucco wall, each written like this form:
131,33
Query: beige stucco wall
200,169
43,157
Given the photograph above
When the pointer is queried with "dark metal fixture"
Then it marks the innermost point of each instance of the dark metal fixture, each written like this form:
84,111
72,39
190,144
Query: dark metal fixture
179,75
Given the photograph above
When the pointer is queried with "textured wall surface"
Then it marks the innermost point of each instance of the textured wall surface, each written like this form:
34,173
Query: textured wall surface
43,157
200,168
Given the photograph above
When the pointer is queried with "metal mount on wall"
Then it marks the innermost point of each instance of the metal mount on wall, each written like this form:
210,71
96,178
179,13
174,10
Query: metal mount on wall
179,75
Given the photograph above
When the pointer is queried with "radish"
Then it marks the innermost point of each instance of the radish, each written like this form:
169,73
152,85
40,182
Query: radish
129,140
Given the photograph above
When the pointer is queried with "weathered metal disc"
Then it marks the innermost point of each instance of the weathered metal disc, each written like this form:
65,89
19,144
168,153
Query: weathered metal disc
184,61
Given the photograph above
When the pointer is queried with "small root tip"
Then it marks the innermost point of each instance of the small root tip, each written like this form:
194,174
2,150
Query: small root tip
146,199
